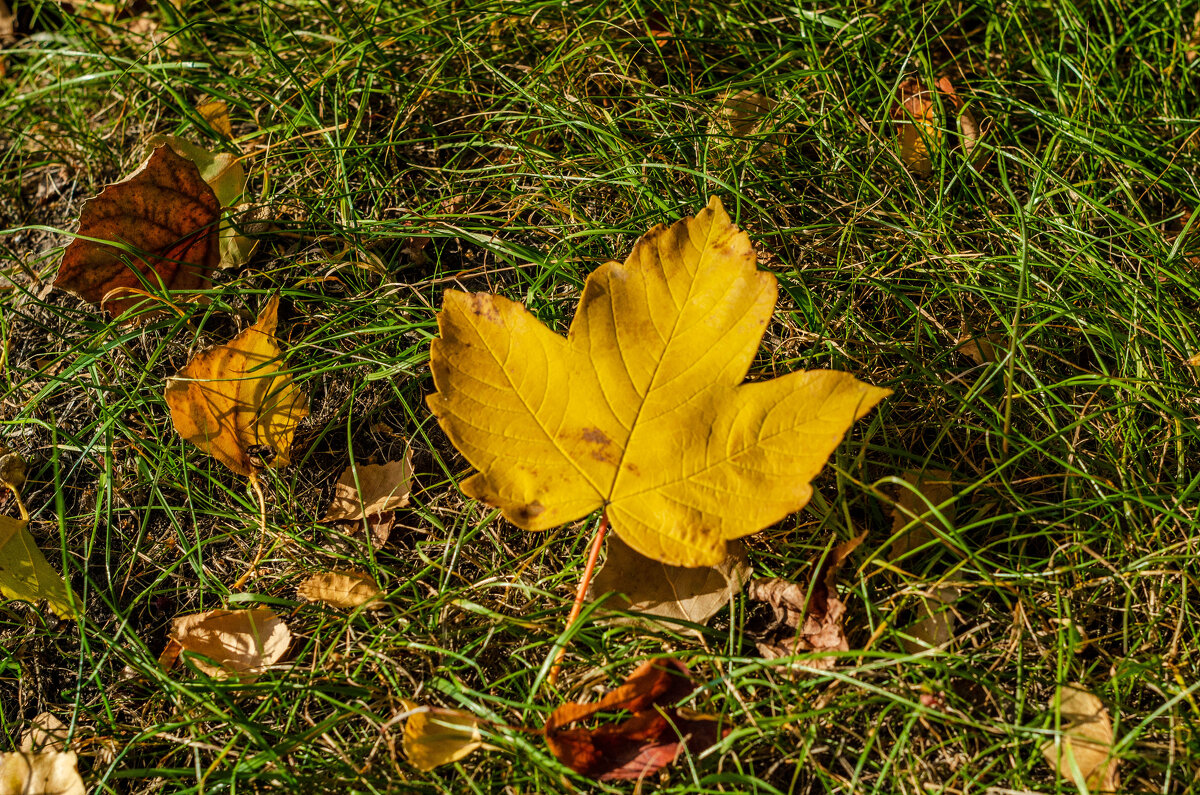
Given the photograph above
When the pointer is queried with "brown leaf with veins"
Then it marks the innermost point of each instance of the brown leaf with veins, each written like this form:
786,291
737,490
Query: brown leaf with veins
162,223
645,585
1084,750
235,402
340,588
804,622
651,738
373,500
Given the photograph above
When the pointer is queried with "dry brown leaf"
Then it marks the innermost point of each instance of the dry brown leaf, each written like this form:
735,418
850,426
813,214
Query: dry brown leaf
435,736
645,742
163,218
1083,752
48,773
804,622
217,115
645,585
380,488
935,627
239,642
930,488
980,347
340,588
916,115
234,402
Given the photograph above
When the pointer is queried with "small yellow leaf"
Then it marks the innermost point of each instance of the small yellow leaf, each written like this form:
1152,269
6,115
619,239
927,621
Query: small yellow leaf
217,115
48,773
24,572
642,409
339,588
917,117
240,642
379,488
434,736
1083,753
234,402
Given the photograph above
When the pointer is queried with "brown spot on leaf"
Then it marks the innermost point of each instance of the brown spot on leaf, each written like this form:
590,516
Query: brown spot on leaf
526,513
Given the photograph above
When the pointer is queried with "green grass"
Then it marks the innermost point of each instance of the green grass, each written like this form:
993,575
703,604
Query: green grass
525,143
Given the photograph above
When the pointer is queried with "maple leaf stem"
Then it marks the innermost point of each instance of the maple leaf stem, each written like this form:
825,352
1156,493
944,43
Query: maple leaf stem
580,593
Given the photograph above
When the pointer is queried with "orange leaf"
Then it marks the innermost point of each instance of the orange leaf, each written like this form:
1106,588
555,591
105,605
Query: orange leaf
162,223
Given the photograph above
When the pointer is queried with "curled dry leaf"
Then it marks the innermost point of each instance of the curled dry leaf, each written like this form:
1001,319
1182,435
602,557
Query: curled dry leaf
434,736
642,408
920,124
929,488
372,499
652,737
1083,752
162,223
25,574
804,622
340,588
235,402
645,585
46,773
238,642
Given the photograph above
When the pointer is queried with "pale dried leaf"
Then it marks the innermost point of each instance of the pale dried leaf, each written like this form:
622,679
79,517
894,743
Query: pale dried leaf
645,585
980,347
1083,752
434,736
45,733
340,588
49,773
743,116
241,642
929,488
379,488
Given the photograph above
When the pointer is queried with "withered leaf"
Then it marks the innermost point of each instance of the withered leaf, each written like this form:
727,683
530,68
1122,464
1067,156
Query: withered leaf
45,733
371,490
235,402
935,626
216,113
645,585
238,642
435,736
804,622
340,588
929,488
652,737
46,773
162,226
1083,753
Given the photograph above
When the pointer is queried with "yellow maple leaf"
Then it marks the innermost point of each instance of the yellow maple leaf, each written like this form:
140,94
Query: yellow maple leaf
235,402
641,410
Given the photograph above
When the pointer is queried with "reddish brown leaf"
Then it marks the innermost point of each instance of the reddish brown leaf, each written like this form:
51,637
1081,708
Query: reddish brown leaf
166,213
805,622
641,744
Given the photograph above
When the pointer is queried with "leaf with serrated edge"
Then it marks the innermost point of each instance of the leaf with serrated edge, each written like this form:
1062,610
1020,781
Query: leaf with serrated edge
24,572
234,398
163,216
645,585
642,409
